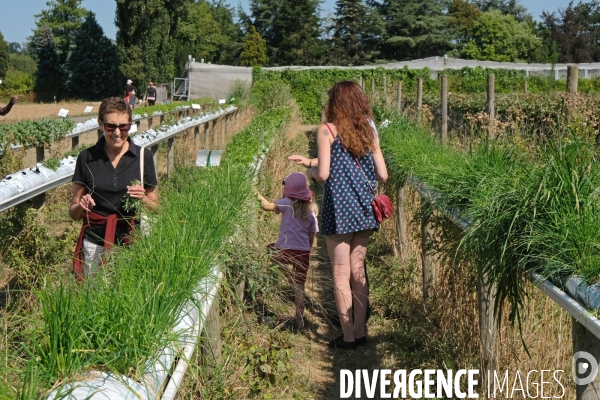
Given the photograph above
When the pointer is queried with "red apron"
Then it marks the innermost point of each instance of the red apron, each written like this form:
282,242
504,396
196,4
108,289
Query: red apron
89,219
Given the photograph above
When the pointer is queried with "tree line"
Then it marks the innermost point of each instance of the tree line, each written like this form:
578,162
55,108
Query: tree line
68,54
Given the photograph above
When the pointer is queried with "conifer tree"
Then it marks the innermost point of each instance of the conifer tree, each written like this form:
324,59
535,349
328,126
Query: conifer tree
49,73
414,29
356,30
147,38
254,49
4,57
63,17
91,70
296,33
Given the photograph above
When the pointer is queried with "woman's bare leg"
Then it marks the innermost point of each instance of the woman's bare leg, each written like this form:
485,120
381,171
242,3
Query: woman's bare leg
339,255
360,289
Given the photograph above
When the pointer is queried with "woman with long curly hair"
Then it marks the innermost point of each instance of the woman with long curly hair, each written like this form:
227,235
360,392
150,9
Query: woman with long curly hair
350,163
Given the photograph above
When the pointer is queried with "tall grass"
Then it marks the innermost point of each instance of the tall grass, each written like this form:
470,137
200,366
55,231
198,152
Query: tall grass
529,211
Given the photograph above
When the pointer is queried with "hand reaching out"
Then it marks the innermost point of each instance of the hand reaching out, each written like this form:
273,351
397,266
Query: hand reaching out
298,159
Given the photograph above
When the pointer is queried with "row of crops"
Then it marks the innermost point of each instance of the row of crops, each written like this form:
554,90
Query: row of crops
531,210
118,321
49,130
467,88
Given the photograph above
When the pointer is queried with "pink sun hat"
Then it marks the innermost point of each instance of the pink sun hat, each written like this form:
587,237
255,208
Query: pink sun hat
296,187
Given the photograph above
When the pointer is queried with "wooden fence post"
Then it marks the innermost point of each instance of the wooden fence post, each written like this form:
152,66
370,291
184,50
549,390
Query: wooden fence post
444,105
150,121
74,142
427,244
488,325
583,340
206,136
223,140
38,201
214,134
362,83
170,157
399,101
402,221
572,78
154,150
196,139
419,97
211,334
385,93
372,88
526,87
491,103
162,119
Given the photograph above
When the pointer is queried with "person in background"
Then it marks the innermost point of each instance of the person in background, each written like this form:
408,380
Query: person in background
104,174
130,93
350,163
151,94
296,234
5,110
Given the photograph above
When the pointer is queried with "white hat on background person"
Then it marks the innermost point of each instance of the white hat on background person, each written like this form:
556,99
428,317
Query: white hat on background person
129,81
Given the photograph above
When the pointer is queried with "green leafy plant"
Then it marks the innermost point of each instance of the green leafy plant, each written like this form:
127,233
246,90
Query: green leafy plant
266,367
131,204
51,163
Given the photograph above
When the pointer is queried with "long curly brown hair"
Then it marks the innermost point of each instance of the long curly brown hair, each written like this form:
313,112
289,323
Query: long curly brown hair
349,110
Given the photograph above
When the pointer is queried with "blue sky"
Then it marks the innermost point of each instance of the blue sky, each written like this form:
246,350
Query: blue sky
17,17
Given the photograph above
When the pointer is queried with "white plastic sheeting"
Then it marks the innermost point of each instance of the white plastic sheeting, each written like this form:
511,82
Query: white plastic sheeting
27,179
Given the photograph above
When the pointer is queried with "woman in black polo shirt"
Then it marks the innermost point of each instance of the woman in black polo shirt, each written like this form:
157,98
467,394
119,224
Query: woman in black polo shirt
103,175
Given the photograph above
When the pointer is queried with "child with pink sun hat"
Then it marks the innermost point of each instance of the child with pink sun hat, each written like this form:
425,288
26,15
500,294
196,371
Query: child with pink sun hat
296,234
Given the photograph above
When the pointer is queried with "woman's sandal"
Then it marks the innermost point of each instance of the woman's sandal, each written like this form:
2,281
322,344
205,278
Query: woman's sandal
339,343
361,341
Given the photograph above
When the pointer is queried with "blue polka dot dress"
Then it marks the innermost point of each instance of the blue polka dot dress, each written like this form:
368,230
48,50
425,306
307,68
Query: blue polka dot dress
347,198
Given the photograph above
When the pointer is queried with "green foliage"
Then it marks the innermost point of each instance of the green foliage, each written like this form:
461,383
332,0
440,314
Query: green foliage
147,38
498,37
310,87
254,49
356,28
49,73
3,57
16,82
133,204
262,15
506,7
91,69
63,18
52,163
256,138
296,43
267,367
414,29
533,210
200,35
34,133
33,252
23,63
76,151
574,32
224,14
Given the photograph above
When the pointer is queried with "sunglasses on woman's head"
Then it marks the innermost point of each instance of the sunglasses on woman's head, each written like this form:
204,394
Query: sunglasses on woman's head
112,127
